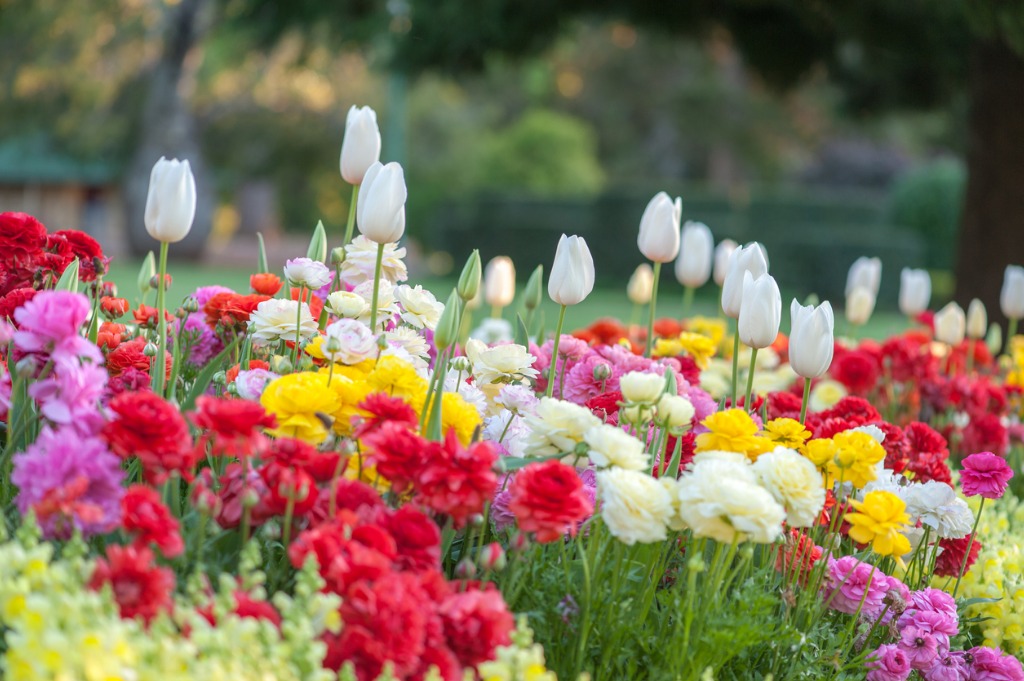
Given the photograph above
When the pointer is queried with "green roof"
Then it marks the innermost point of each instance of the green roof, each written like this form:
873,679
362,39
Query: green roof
37,159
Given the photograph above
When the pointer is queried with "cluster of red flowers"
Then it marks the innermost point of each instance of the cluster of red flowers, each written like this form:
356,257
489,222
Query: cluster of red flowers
548,499
150,428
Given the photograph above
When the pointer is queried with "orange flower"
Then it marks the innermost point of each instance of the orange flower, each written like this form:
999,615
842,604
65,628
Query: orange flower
265,283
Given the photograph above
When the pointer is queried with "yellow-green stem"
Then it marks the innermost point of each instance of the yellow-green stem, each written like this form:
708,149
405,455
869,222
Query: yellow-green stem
735,365
803,403
298,326
654,304
554,353
376,288
750,378
970,543
159,374
688,294
351,215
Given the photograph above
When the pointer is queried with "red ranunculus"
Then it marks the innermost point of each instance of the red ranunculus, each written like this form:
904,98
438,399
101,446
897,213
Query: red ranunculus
986,432
856,369
288,486
457,481
227,504
131,354
349,495
149,427
265,283
233,425
416,536
783,405
797,557
928,453
113,308
476,622
382,408
856,410
91,261
292,453
231,310
951,559
146,516
141,588
398,454
148,317
605,404
22,237
13,300
109,335
548,499
346,553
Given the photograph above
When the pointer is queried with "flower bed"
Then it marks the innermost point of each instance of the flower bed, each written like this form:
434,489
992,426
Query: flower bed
334,474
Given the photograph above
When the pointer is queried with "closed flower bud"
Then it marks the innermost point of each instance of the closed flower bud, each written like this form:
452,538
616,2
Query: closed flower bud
659,228
447,324
150,350
696,255
462,364
642,388
469,280
337,255
749,258
811,339
723,251
280,365
864,272
361,146
602,372
492,557
915,291
500,282
860,303
465,569
760,311
977,320
950,324
572,274
640,285
190,305
380,210
994,339
220,378
171,202
520,542
26,367
675,411
1011,298
534,291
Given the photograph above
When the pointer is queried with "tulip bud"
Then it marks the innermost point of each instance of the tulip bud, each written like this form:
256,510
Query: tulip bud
696,254
380,209
171,202
447,324
950,324
865,272
723,251
500,282
534,291
361,147
150,350
860,303
639,387
659,228
572,273
1011,298
146,273
915,291
977,320
749,258
994,339
811,339
760,311
469,280
640,285
492,557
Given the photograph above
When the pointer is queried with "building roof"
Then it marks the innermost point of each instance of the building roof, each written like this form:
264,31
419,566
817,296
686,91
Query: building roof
37,159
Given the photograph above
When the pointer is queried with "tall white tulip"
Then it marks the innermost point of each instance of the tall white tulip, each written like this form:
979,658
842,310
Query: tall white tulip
499,282
950,324
696,254
865,272
749,258
977,320
723,251
380,212
811,339
1011,298
638,290
570,282
361,146
659,228
171,201
761,311
915,291
860,303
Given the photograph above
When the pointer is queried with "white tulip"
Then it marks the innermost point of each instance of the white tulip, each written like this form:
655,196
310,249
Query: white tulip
572,274
696,253
171,202
380,209
950,324
977,320
641,285
860,303
915,291
361,147
760,311
811,339
723,251
500,282
749,258
1011,298
864,272
659,228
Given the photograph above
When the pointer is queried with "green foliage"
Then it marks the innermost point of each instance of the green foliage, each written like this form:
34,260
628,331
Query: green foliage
929,201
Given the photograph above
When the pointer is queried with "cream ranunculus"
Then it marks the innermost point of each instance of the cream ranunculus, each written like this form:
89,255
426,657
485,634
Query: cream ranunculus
860,303
611,446
307,272
348,341
509,363
811,339
500,282
634,506
696,254
274,320
346,304
572,274
723,251
412,342
387,307
1011,297
950,324
675,411
420,308
557,427
826,394
171,202
915,291
639,387
640,285
659,228
361,259
794,482
749,258
719,499
361,146
760,311
380,208
977,320
865,272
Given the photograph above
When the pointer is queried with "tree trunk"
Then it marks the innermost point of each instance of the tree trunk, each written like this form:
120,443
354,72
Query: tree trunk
992,231
169,129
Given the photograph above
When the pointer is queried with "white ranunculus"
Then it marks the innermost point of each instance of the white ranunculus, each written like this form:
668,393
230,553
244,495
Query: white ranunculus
938,507
794,482
348,342
387,307
274,320
361,260
307,272
346,304
675,411
509,363
719,500
557,427
640,387
634,506
412,342
611,446
420,308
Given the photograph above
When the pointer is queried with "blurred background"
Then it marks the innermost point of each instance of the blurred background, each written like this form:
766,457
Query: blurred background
825,130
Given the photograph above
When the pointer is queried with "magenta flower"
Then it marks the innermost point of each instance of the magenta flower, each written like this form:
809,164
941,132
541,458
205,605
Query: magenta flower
48,325
951,667
889,663
203,344
922,647
71,397
985,474
70,482
580,383
991,664
850,582
929,600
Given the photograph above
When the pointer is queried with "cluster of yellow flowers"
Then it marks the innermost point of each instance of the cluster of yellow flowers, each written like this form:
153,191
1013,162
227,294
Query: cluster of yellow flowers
1014,362
58,628
998,574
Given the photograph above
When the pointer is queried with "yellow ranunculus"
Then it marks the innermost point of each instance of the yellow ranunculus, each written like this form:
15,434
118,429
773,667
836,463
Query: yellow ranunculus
878,521
788,433
299,402
856,458
731,430
820,451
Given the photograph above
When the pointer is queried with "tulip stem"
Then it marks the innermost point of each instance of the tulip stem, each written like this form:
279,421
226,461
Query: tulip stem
735,365
554,353
803,403
161,354
688,294
750,378
496,311
654,303
970,543
1011,331
376,288
969,366
351,216
298,326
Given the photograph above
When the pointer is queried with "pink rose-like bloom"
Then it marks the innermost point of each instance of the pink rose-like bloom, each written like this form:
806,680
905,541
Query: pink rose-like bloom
71,397
889,663
251,383
922,647
936,623
850,582
990,664
929,600
951,667
49,323
580,384
985,474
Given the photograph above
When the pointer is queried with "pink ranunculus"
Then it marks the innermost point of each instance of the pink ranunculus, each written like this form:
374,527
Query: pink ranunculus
922,647
71,396
951,667
851,583
985,474
889,663
929,600
991,664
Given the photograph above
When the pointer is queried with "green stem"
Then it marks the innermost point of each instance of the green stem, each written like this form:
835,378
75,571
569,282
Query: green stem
161,359
1011,331
677,454
750,378
654,304
172,387
496,311
298,326
970,543
803,403
351,215
735,365
688,294
969,368
554,353
376,288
